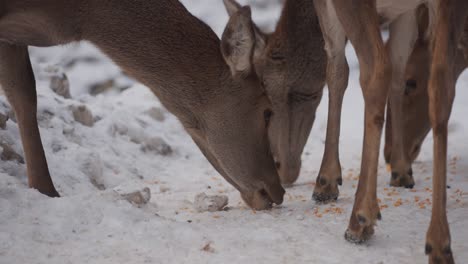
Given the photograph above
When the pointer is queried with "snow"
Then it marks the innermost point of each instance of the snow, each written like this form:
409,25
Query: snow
94,167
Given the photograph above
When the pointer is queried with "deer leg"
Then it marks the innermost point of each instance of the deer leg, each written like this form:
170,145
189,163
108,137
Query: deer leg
450,18
17,80
403,35
362,28
388,137
326,188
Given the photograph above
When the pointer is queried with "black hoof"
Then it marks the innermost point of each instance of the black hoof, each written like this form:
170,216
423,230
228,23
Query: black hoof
325,197
51,194
402,180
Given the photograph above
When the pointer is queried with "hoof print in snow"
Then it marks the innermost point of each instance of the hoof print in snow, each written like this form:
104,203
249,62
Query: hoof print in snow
60,85
3,120
210,203
156,145
93,168
138,198
8,154
83,115
156,113
101,87
57,146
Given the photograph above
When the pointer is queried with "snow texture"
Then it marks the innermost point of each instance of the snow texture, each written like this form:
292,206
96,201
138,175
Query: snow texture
125,153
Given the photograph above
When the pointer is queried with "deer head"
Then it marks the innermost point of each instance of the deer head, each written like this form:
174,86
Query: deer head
233,131
291,65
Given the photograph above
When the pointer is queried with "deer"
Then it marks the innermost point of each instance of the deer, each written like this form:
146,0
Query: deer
209,84
416,99
292,65
382,69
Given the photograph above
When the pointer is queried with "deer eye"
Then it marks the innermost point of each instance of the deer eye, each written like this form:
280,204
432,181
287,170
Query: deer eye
267,116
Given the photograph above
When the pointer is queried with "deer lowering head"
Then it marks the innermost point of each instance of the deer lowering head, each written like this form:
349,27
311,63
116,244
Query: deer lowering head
210,85
291,64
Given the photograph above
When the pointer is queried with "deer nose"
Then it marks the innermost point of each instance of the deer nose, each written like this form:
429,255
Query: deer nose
275,192
263,198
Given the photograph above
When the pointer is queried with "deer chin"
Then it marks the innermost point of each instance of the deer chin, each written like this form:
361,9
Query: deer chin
263,199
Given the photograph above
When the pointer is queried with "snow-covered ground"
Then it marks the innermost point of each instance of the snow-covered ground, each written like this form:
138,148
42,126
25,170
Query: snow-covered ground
122,152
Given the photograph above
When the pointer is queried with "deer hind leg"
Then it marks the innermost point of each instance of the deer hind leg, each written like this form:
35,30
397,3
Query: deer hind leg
360,20
17,80
450,18
403,35
326,188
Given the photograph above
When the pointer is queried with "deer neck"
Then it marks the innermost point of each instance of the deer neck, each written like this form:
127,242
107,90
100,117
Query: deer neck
161,45
298,43
299,27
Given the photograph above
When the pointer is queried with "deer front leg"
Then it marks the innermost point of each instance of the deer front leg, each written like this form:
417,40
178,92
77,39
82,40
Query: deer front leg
17,80
360,20
450,18
326,188
403,35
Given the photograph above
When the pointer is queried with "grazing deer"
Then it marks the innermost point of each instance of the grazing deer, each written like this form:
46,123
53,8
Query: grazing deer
416,100
211,86
292,65
382,70
417,109
379,68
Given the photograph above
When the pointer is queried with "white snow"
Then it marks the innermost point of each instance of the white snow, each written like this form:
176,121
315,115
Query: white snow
93,223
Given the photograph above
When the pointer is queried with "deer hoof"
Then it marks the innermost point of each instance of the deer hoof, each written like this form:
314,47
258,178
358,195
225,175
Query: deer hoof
359,237
443,255
325,190
402,180
52,194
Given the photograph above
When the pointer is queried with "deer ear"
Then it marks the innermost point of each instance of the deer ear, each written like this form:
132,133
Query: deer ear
238,42
232,6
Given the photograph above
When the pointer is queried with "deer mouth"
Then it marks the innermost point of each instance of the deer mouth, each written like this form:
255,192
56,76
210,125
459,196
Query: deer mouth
264,198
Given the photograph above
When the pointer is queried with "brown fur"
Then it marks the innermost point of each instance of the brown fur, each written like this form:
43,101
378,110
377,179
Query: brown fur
291,63
449,27
377,69
220,103
418,124
375,73
416,101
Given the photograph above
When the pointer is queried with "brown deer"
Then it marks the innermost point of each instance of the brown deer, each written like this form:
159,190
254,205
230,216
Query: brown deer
292,65
416,99
382,70
211,86
403,36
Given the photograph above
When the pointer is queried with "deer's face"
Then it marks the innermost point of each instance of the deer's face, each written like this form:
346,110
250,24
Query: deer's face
293,80
232,131
415,104
295,95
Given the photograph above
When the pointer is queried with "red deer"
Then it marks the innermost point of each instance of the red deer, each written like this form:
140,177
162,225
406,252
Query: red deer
210,85
382,70
292,65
